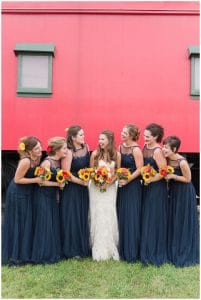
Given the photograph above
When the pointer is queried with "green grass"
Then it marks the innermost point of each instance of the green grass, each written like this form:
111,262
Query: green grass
107,279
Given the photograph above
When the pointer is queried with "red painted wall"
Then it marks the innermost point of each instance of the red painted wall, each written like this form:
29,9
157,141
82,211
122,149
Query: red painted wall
115,63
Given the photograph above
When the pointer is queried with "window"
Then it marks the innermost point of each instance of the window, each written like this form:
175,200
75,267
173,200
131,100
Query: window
194,54
34,69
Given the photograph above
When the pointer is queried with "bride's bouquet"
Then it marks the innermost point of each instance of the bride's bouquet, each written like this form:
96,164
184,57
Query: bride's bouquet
102,175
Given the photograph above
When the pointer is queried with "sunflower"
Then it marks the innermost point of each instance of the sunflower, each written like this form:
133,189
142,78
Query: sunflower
170,169
97,177
146,177
48,176
36,171
60,178
86,176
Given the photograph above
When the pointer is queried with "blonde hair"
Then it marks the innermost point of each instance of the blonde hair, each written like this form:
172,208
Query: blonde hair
28,142
54,144
133,131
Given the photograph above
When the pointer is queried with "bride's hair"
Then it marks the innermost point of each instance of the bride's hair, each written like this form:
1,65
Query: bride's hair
111,149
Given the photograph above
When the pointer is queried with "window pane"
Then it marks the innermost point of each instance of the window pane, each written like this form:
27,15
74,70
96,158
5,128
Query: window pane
197,74
34,71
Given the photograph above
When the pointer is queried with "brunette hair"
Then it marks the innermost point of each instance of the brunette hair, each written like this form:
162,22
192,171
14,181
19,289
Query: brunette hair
54,144
111,149
72,131
133,131
173,141
156,130
28,142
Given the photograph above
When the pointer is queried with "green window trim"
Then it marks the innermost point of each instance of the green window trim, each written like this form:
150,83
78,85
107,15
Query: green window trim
34,50
194,54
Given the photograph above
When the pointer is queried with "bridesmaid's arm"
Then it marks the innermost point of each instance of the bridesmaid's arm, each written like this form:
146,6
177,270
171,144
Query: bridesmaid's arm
66,165
139,162
22,168
160,161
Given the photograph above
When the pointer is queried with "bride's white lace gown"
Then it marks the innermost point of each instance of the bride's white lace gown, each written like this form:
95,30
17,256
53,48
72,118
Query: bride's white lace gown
103,220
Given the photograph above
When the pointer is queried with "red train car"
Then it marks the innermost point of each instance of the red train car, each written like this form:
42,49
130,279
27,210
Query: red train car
100,65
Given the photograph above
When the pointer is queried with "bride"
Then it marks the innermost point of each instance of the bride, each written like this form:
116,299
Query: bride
103,218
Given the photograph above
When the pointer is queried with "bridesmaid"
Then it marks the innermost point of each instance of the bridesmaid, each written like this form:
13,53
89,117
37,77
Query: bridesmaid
47,242
155,199
75,198
183,230
17,229
130,195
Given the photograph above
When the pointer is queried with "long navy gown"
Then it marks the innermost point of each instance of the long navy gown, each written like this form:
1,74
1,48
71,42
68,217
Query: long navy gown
47,239
183,229
154,217
75,210
17,234
129,199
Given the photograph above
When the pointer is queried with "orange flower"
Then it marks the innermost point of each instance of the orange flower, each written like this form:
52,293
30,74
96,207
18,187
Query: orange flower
123,173
165,170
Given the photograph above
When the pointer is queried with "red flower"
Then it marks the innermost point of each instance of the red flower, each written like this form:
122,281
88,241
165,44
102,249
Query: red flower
49,149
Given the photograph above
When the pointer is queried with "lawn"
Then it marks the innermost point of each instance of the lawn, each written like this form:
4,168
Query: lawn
109,279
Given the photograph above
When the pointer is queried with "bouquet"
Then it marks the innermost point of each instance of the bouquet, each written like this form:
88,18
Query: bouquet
63,176
43,173
147,172
165,170
85,174
101,176
123,173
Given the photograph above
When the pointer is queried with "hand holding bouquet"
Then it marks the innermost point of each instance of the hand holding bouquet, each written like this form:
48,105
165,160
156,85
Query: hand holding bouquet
165,170
102,176
43,173
123,174
63,176
147,173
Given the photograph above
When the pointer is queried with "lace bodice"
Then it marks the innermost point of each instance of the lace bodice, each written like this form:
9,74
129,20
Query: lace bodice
148,157
127,159
110,165
80,160
55,165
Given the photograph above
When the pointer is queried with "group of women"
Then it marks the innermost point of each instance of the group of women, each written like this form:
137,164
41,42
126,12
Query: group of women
155,222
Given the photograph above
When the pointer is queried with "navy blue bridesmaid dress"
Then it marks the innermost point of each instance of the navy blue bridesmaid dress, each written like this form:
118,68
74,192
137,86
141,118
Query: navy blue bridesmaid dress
129,198
75,210
47,239
154,217
183,229
17,232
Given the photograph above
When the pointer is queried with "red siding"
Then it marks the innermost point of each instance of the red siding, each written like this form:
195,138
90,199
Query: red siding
115,63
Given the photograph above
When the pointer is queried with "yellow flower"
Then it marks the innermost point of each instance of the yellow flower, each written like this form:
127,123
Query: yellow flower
146,177
97,177
22,146
59,177
36,171
48,176
170,169
86,177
